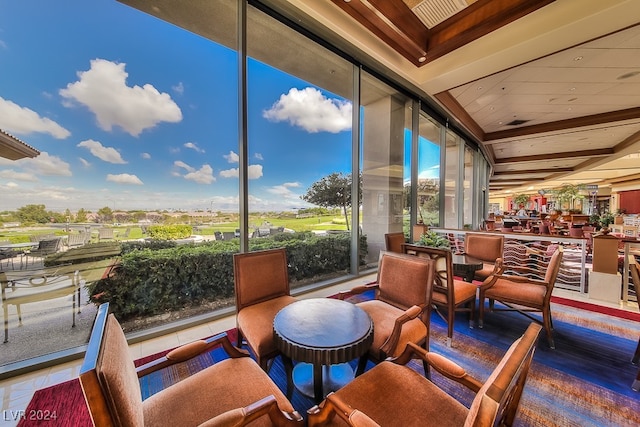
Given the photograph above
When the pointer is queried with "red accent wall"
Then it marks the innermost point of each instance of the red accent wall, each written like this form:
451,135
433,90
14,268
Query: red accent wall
630,201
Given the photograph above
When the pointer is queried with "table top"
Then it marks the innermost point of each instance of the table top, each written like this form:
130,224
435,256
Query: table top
466,260
323,331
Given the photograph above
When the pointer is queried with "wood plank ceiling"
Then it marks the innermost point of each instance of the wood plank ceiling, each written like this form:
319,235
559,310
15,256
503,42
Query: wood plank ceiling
571,115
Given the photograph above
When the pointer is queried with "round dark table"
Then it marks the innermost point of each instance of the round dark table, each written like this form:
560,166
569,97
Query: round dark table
325,333
465,266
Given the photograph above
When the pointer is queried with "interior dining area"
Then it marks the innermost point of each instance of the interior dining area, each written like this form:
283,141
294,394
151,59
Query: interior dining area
465,289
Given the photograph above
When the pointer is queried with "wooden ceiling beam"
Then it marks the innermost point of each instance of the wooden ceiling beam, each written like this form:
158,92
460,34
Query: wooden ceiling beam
555,156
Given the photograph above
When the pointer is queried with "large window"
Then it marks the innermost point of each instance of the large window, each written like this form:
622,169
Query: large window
428,186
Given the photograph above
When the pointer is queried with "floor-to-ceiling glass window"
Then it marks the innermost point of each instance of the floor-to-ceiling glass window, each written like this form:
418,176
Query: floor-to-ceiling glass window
452,188
428,185
469,190
299,146
136,122
386,140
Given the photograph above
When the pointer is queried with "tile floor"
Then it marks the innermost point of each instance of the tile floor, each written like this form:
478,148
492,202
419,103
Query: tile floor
17,392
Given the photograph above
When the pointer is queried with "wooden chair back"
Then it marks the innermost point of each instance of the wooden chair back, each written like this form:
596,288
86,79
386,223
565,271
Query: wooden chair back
485,247
260,276
497,401
393,242
403,283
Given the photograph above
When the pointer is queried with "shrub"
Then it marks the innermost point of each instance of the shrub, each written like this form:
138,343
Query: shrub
168,232
152,281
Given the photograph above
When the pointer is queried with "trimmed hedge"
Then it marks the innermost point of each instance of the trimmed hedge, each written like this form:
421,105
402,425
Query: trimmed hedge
153,281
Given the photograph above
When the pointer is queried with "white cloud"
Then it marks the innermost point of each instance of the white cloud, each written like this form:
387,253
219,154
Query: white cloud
202,176
107,154
103,90
179,88
20,176
24,121
45,164
3,45
84,162
12,185
231,157
183,165
193,146
145,156
284,190
258,156
254,172
310,110
124,178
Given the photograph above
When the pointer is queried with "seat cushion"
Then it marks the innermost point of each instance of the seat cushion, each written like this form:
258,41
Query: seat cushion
484,272
396,395
228,384
384,316
464,291
518,293
256,323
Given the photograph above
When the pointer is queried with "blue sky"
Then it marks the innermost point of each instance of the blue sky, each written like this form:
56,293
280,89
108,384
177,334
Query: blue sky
134,113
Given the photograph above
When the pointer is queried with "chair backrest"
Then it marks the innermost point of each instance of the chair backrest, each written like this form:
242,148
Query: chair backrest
260,276
108,376
443,268
76,239
105,233
634,269
485,247
576,232
49,246
393,242
403,280
497,401
553,268
544,229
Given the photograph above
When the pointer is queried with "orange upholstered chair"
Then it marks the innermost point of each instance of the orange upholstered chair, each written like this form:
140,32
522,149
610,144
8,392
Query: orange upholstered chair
234,391
261,284
393,242
391,394
522,294
487,248
400,310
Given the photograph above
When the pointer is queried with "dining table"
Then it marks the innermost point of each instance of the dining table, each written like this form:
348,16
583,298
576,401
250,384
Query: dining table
322,335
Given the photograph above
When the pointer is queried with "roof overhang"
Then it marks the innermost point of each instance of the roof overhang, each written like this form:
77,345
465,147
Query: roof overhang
13,149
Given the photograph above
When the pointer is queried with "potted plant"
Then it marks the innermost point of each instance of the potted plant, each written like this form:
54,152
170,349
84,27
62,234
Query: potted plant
434,240
520,200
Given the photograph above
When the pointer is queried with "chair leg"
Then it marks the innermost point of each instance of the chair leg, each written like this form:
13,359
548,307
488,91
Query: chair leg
546,318
451,315
472,311
636,383
636,356
362,364
481,312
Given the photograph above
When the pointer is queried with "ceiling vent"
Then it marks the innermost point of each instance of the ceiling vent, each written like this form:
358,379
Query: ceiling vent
516,122
433,12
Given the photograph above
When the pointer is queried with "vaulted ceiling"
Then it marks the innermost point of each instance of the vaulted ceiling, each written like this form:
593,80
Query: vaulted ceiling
550,89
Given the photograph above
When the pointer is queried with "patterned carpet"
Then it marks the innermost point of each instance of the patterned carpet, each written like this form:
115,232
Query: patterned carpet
585,381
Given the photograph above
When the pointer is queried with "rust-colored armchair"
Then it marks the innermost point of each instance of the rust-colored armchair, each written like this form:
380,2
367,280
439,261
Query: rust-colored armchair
394,241
448,292
400,310
523,294
232,392
487,248
392,394
262,288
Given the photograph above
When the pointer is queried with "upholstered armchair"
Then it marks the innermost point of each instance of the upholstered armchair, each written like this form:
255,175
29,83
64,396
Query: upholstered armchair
392,394
523,294
634,268
400,310
394,241
232,392
261,284
487,248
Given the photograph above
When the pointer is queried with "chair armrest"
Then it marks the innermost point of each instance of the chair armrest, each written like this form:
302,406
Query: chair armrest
189,351
357,290
243,416
521,279
392,341
333,406
444,366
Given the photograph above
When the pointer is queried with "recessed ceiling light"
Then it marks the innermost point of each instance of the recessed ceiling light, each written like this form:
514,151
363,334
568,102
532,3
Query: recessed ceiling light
578,58
421,59
479,88
572,89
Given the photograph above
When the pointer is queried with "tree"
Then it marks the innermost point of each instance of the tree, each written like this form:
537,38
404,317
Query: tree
81,216
332,191
33,214
105,214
